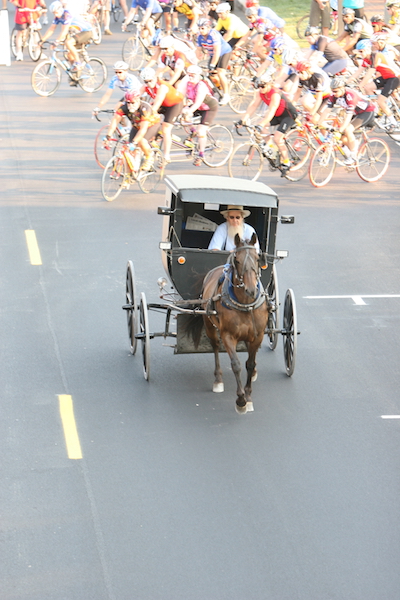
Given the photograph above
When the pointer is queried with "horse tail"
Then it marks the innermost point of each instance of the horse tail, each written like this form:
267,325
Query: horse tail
193,327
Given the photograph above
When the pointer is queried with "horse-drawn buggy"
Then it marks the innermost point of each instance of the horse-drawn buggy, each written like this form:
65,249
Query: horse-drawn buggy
217,299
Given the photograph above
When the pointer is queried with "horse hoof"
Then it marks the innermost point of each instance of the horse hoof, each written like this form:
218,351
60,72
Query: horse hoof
254,376
249,406
218,388
241,409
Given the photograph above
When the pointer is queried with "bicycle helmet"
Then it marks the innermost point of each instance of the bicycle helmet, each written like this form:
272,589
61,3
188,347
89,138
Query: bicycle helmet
382,36
363,45
377,19
303,65
223,7
270,34
167,42
121,65
348,11
56,6
277,42
132,95
337,82
311,31
289,56
148,74
251,12
251,3
265,78
390,3
204,23
194,70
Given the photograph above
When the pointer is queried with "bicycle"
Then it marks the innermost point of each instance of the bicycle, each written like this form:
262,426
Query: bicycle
124,168
381,120
30,37
247,159
46,76
304,22
116,10
372,160
103,154
240,88
218,148
135,52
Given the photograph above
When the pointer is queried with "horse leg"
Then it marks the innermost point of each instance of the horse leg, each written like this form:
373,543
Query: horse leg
230,346
251,371
218,385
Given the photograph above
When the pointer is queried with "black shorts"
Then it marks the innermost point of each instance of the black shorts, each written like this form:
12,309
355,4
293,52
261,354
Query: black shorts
387,85
149,135
233,41
82,38
363,118
156,17
224,60
207,116
285,122
167,8
21,26
171,112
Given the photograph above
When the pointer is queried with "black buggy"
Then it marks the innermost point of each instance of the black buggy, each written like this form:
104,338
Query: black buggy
190,216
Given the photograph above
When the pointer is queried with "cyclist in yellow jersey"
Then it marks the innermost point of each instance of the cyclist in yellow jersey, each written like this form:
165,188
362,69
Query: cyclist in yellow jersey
231,27
191,11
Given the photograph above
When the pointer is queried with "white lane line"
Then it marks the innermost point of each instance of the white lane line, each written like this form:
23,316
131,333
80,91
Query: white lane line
357,298
390,416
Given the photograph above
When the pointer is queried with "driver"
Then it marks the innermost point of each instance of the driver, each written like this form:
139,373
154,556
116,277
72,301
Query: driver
224,235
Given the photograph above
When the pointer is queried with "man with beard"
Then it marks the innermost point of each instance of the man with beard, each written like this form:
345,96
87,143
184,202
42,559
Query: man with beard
224,235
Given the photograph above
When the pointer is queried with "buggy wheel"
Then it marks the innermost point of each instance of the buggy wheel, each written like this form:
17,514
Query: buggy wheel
93,75
218,147
246,161
13,45
46,78
373,160
113,179
322,165
133,53
289,332
302,25
149,180
299,151
241,92
131,306
145,335
102,155
273,315
34,48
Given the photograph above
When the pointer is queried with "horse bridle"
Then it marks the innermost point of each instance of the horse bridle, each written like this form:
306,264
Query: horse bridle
232,260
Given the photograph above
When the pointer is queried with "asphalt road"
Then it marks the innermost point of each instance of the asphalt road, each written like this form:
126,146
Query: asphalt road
176,497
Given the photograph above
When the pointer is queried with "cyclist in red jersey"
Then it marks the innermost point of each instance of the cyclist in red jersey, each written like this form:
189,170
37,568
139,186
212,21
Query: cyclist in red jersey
280,112
167,101
22,20
174,61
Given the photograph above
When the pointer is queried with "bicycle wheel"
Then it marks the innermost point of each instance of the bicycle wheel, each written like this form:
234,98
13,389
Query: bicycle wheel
302,25
96,29
246,161
13,45
149,180
299,151
93,75
116,10
46,78
101,154
34,48
218,147
373,160
113,179
322,165
241,92
133,53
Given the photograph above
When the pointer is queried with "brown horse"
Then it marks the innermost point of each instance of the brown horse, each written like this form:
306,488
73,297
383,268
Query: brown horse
235,293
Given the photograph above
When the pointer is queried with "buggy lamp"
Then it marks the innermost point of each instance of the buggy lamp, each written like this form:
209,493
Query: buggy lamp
282,254
287,219
165,245
162,283
181,260
164,210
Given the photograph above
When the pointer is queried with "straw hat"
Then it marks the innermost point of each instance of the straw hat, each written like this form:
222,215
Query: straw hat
245,213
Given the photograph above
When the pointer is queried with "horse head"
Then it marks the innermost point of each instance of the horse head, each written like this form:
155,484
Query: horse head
246,270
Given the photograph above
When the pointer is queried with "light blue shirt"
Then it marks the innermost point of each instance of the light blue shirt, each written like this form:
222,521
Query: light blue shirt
221,241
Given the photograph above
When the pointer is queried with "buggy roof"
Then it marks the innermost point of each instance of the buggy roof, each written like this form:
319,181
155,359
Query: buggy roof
222,190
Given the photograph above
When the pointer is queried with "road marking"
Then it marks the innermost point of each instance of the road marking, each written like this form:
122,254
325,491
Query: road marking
33,248
357,298
390,416
69,425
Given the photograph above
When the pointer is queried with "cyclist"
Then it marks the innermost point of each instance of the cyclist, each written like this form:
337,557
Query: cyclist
173,61
190,10
22,20
232,28
106,4
316,85
280,111
184,47
327,48
267,13
359,112
167,101
258,26
122,80
75,33
199,101
145,125
152,14
219,51
376,59
354,29
379,26
393,8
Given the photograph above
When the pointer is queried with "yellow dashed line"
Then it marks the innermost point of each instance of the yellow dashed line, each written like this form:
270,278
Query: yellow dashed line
33,248
69,425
